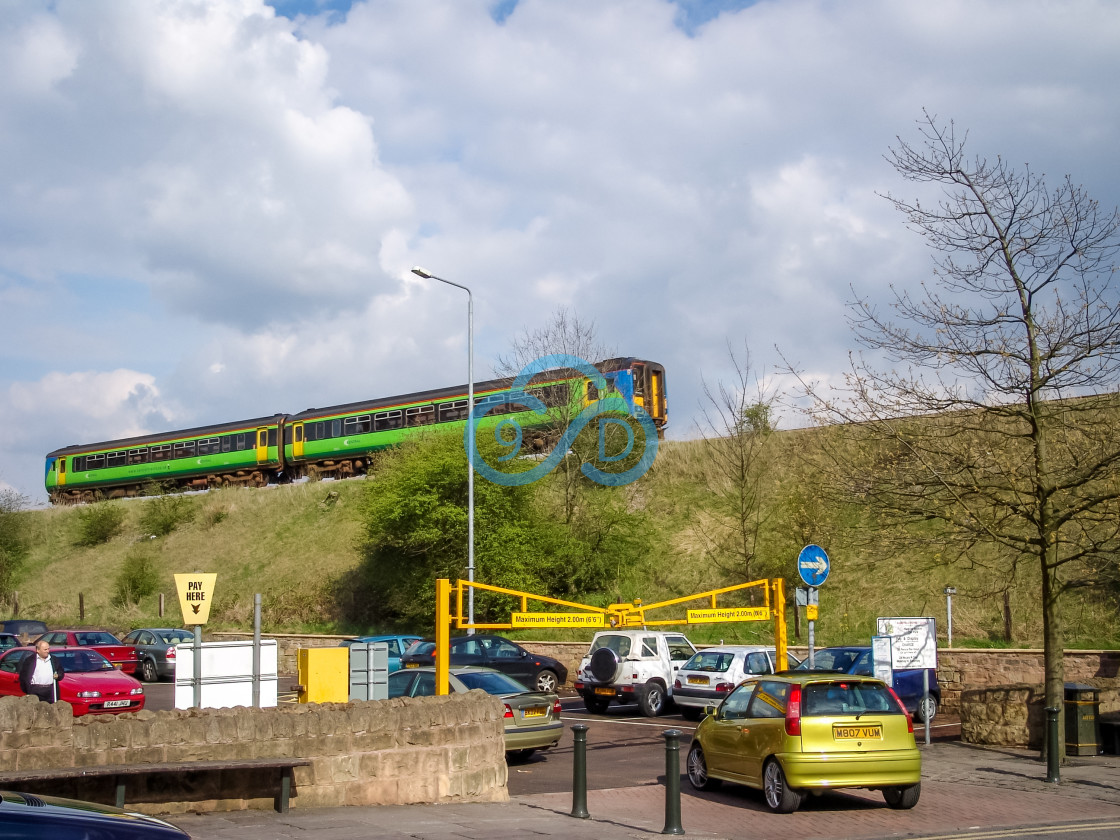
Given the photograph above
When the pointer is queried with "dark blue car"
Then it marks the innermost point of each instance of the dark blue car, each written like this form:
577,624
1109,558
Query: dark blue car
907,683
25,816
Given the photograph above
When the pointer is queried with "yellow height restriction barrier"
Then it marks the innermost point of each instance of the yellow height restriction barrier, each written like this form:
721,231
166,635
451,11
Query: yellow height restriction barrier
449,610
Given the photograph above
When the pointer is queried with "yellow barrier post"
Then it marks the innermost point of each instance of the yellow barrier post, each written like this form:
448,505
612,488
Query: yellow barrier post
781,641
443,634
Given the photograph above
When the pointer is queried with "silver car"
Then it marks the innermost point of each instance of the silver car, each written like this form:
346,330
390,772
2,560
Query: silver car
709,676
155,648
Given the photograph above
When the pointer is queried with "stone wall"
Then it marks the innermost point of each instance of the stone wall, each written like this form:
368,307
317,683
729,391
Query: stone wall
401,751
1015,715
959,668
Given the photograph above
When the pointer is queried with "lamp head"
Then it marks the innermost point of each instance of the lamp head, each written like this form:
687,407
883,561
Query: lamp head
422,272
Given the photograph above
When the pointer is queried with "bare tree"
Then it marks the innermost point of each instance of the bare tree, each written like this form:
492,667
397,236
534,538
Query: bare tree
736,425
13,537
999,419
568,334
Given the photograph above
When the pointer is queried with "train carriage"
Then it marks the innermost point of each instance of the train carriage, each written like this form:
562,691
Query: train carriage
245,452
336,441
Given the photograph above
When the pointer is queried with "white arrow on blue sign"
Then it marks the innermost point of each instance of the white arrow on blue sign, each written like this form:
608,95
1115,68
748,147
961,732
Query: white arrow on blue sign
812,565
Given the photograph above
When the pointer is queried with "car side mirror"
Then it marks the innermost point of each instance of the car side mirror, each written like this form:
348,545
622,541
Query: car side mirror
710,711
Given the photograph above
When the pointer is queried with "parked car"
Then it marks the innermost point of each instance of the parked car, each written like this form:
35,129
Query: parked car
542,673
806,732
155,650
710,674
26,816
907,683
532,720
18,626
632,666
397,646
90,683
121,655
7,640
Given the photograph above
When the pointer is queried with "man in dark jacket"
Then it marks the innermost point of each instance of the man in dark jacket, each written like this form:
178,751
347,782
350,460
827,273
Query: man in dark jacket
39,673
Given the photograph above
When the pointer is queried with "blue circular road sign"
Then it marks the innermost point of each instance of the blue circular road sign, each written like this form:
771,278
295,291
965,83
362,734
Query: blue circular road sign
812,565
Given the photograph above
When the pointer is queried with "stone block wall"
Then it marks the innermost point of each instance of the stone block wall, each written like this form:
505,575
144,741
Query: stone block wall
390,752
1015,715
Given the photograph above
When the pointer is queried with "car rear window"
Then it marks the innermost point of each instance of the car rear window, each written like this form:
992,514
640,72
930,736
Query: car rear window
177,637
847,698
619,644
491,683
714,661
832,660
421,648
96,639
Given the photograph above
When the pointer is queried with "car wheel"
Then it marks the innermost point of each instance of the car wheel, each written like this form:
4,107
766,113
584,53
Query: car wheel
652,700
148,670
697,768
596,705
903,798
691,712
780,797
927,709
547,681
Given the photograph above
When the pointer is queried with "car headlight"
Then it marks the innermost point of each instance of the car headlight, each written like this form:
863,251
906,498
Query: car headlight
88,694
138,690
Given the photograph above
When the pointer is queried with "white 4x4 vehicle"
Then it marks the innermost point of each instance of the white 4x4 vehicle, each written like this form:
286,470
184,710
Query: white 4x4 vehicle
632,666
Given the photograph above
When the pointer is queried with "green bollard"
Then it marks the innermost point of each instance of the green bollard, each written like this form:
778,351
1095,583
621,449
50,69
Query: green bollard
579,772
1052,757
672,782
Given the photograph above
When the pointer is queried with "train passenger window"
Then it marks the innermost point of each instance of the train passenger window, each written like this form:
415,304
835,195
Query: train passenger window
183,449
387,420
495,404
227,442
161,453
116,459
555,395
365,424
421,415
453,411
138,456
356,425
639,382
79,464
336,428
95,462
592,391
208,446
272,436
241,442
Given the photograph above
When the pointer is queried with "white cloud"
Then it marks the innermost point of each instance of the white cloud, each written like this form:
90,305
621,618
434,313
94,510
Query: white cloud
230,201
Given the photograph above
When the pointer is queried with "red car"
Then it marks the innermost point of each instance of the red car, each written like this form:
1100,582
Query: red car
121,655
90,683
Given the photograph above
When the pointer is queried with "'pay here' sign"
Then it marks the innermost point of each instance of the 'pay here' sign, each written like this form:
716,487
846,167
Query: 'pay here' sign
196,591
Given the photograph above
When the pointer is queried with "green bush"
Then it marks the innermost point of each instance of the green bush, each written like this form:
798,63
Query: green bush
138,577
99,523
14,543
164,514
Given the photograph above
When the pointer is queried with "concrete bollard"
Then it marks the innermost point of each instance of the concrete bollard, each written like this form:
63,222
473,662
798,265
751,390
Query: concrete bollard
579,772
672,782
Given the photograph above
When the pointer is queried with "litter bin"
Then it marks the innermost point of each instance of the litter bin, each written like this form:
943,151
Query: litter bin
1083,724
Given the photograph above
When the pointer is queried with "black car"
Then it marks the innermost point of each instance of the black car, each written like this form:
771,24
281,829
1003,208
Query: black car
7,640
25,816
540,673
19,626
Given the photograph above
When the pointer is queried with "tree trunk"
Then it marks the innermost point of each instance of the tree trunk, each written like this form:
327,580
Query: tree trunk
1052,643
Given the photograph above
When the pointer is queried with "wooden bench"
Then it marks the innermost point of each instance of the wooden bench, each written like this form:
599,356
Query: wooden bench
121,772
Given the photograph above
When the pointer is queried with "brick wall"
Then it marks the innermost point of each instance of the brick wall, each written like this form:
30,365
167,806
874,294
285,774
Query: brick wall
391,752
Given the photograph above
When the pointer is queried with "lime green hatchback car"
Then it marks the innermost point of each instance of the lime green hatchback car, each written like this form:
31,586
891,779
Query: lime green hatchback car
807,732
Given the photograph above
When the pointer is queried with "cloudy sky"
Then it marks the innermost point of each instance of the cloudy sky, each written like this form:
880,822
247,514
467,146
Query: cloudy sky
210,207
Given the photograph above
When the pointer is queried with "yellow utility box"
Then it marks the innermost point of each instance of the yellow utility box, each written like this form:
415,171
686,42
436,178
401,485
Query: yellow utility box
323,674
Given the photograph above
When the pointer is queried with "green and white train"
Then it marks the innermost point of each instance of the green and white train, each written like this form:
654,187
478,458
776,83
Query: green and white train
337,441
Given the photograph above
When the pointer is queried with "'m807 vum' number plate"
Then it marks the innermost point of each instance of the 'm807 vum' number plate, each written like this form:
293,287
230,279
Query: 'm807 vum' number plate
847,732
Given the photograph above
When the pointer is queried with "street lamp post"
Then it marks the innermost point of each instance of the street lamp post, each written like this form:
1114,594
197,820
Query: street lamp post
427,275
